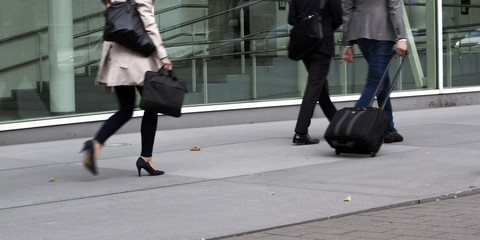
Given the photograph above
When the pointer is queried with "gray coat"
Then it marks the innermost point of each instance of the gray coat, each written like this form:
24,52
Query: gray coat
380,20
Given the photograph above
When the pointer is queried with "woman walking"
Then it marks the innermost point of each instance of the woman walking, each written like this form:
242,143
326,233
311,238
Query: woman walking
123,70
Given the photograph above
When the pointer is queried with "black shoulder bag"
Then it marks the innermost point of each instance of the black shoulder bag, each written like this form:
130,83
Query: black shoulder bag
306,35
124,26
163,93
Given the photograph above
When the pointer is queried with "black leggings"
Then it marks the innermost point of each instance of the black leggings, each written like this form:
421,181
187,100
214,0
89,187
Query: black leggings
126,100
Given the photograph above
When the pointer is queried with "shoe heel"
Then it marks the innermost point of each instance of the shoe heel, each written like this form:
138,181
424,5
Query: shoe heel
86,145
141,164
89,157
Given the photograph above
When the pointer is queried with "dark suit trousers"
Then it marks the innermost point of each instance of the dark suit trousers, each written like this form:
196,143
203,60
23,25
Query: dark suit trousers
317,65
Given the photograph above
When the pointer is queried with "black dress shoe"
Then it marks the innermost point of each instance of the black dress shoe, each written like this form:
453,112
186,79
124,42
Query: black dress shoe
299,138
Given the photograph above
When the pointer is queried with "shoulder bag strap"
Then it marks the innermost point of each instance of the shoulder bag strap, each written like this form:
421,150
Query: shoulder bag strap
319,12
321,7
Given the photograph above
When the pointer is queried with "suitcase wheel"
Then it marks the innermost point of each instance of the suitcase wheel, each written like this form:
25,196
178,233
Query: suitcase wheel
337,152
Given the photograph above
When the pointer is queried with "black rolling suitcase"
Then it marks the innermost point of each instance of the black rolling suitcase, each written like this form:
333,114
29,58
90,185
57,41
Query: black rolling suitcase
361,130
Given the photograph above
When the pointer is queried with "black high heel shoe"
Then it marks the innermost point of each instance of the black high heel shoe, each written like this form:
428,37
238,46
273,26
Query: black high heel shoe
89,157
145,165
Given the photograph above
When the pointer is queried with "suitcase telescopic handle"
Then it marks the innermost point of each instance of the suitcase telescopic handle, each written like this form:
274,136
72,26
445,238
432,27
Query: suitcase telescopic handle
392,84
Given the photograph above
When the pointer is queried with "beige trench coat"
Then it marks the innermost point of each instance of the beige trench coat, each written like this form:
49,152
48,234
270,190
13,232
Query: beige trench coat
121,66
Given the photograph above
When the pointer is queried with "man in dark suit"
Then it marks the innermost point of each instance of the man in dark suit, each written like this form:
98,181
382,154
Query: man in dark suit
317,63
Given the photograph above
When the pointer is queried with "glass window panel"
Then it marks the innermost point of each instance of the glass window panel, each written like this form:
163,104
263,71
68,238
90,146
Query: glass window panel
227,51
461,34
345,79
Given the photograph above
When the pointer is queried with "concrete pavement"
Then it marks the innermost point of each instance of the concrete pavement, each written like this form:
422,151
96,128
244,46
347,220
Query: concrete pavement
244,179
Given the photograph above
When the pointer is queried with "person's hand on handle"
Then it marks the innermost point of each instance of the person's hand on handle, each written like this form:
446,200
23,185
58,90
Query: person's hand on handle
348,54
167,64
401,48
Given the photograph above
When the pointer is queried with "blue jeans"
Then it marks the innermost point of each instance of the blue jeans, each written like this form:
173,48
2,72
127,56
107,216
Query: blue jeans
377,54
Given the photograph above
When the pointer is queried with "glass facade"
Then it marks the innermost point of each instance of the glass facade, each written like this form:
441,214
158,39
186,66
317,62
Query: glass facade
461,43
228,51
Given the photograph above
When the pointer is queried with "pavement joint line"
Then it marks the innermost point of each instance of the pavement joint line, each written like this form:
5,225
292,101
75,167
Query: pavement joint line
105,195
407,203
124,192
103,159
130,191
36,166
375,209
240,142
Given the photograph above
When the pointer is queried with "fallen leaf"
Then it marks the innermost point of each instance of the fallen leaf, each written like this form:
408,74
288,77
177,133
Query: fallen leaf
271,193
454,196
428,153
472,187
348,199
197,148
51,180
437,200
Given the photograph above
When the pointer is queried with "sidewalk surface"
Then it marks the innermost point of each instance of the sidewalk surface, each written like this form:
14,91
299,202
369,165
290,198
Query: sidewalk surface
252,179
456,218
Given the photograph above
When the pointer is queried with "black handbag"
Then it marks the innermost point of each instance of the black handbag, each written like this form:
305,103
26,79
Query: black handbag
163,93
306,35
124,26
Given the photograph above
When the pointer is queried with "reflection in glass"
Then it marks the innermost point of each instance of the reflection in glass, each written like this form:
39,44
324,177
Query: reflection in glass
461,34
227,50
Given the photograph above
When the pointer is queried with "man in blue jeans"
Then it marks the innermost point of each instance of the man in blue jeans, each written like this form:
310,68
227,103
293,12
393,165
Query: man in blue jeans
377,27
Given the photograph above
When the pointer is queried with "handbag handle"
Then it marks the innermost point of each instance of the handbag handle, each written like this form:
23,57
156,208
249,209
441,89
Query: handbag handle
170,73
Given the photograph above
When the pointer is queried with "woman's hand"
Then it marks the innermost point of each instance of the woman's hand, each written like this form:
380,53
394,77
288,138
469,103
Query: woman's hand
166,63
348,54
